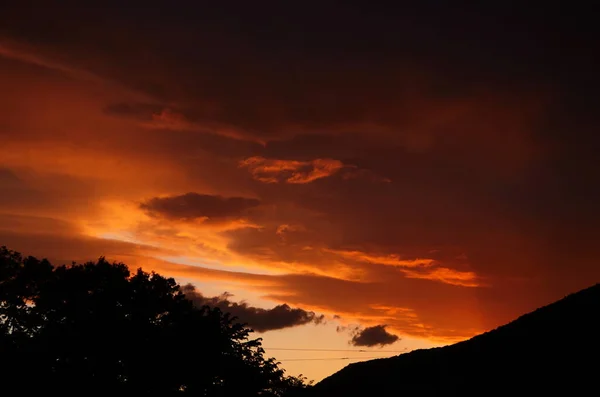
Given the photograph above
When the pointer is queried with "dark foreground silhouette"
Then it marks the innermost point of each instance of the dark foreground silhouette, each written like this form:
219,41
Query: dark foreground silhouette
551,351
95,329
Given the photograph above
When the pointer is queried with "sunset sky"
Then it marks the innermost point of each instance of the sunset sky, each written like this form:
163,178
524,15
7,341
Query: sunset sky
399,177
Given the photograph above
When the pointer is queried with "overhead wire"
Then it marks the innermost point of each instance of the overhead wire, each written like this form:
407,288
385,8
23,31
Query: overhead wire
336,350
327,358
332,350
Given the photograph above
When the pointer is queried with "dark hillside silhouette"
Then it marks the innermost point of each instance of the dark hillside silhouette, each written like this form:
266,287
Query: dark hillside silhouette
551,351
95,329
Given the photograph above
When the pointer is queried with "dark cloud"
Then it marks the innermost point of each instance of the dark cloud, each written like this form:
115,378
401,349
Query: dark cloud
261,320
373,336
193,205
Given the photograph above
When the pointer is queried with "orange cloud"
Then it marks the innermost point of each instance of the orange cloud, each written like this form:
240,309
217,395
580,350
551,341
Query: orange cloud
390,260
448,276
290,171
418,268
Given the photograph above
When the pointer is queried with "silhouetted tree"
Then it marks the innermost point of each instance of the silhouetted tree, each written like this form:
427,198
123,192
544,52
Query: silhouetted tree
96,328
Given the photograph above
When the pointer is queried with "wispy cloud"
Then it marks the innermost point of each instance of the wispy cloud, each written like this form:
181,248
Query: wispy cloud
22,53
448,276
290,171
416,268
389,260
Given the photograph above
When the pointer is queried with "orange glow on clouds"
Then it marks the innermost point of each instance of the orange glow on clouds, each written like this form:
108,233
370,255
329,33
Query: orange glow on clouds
449,276
290,171
390,260
379,192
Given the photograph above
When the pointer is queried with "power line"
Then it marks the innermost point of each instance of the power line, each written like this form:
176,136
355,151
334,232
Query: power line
335,350
327,358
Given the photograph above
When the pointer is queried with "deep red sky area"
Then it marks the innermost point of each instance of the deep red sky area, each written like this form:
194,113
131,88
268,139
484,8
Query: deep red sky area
426,167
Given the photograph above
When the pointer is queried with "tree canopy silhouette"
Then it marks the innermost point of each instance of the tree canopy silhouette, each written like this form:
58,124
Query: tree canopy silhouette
97,327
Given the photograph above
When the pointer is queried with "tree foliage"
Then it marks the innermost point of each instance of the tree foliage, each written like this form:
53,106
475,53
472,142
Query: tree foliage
95,327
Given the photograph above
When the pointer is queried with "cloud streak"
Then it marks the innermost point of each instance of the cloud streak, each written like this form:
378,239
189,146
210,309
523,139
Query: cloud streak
417,268
11,50
290,171
388,260
448,276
